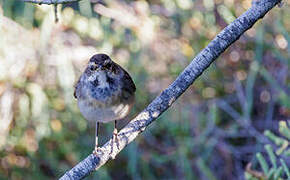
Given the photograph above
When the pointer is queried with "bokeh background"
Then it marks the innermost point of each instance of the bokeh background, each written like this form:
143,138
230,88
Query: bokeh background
216,130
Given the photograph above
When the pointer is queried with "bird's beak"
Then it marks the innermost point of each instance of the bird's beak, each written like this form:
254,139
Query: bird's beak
101,67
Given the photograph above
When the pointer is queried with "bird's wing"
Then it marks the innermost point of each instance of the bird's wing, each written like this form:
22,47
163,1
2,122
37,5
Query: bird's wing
76,88
129,87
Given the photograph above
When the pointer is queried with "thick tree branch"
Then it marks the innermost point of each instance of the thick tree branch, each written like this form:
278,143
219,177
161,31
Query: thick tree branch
50,1
161,103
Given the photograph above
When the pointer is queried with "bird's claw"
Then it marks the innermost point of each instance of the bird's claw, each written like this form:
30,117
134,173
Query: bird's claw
115,139
96,150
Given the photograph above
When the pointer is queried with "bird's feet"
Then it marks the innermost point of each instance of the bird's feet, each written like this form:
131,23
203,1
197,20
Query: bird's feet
115,140
96,150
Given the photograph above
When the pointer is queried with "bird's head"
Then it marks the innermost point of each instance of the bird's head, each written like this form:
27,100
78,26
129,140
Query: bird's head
101,62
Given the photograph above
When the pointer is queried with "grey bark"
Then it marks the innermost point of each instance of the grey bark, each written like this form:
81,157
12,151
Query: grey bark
161,103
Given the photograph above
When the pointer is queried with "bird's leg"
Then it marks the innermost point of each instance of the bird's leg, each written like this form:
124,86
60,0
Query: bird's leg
115,133
96,139
115,139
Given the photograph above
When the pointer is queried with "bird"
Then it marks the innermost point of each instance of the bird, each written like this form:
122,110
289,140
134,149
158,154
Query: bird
105,92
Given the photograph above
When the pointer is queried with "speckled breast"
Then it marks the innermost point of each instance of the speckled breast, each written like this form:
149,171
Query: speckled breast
102,104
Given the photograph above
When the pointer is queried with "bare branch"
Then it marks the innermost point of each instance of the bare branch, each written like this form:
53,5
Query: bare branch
161,103
50,1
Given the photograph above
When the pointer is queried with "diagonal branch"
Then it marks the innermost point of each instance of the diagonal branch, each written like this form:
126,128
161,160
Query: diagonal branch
50,1
161,103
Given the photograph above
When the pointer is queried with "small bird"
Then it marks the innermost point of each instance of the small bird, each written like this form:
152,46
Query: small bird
105,92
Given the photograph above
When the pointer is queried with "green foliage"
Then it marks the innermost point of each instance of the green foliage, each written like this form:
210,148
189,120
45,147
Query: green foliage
274,170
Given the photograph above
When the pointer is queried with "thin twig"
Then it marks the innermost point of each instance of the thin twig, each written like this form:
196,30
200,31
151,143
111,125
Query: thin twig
50,1
160,104
55,13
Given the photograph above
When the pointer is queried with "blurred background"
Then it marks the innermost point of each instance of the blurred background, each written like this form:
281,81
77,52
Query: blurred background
232,123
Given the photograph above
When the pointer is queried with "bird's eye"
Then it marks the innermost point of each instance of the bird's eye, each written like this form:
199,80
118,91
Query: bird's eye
114,70
107,64
93,68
